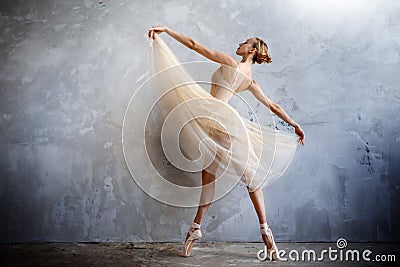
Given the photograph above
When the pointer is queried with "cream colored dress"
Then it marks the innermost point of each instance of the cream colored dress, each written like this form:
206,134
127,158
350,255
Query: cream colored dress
201,131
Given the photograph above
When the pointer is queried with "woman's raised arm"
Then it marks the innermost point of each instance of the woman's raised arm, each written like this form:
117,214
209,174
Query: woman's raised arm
256,90
216,56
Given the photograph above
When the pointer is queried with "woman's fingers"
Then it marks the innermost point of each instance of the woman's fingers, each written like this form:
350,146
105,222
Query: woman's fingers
301,135
151,33
156,29
301,141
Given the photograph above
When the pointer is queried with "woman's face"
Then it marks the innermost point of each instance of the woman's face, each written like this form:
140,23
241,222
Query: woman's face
245,47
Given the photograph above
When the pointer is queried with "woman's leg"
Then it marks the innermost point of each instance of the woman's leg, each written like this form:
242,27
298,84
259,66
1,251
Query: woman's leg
207,195
257,198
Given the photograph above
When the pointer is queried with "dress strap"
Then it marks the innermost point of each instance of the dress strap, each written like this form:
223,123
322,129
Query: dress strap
236,74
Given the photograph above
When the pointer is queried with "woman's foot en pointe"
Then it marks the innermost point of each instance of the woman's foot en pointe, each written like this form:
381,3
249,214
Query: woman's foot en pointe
194,234
272,249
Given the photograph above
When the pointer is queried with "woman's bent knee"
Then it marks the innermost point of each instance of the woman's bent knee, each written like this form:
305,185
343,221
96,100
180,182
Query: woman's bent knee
207,177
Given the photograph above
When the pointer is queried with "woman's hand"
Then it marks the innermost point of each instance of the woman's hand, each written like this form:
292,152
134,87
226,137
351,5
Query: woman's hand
156,29
300,133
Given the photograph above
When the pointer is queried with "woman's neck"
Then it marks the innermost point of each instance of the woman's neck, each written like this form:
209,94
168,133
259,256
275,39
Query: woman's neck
248,60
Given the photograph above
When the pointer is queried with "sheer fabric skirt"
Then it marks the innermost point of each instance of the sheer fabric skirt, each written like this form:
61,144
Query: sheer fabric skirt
201,132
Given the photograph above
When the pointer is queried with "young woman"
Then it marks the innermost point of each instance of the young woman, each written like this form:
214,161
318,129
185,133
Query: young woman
253,50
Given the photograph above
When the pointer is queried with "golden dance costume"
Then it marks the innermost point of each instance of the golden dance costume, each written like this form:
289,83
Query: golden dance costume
200,131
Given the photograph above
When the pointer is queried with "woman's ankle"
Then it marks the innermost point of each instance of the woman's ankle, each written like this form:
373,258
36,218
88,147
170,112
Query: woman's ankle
195,225
264,227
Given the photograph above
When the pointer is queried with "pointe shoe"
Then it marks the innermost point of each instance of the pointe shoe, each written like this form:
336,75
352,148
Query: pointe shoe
194,234
272,252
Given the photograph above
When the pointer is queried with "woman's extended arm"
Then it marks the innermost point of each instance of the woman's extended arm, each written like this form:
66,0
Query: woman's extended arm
216,56
256,90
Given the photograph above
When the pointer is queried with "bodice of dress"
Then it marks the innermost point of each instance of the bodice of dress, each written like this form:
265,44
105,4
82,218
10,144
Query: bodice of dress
225,82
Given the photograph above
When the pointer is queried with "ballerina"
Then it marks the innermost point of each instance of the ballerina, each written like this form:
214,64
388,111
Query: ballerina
253,50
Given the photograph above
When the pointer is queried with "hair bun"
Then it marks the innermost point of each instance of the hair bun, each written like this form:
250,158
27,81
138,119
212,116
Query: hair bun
264,58
262,55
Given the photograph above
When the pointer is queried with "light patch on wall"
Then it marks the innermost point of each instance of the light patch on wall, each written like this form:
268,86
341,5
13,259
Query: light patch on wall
331,5
175,13
108,187
108,145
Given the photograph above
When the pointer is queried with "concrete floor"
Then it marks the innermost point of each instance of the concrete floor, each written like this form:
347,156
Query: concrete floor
170,254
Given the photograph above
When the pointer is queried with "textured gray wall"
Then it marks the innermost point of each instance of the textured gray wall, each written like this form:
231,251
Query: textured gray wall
68,69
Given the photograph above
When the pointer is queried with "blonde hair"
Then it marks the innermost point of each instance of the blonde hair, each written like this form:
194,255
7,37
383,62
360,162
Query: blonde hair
261,55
